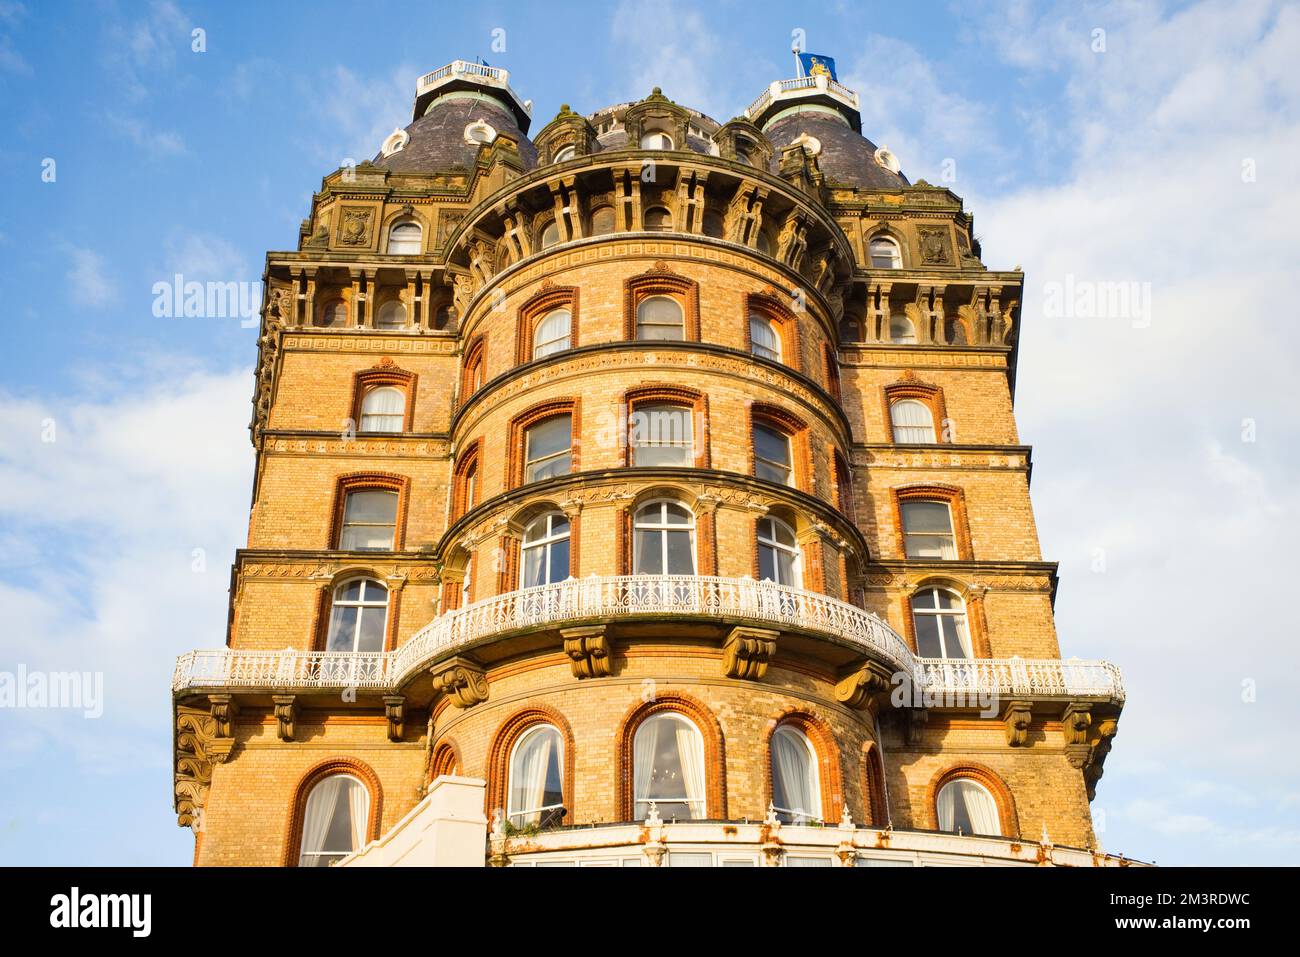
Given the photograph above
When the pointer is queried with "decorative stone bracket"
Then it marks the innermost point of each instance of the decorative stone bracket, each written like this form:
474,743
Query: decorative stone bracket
589,651
1103,732
286,712
195,731
223,708
461,679
1017,717
747,652
864,688
395,712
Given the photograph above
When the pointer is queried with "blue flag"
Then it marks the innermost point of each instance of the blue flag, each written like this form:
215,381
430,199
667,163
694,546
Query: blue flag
814,64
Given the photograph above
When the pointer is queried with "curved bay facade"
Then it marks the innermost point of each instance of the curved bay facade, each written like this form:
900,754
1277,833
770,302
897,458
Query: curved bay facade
645,492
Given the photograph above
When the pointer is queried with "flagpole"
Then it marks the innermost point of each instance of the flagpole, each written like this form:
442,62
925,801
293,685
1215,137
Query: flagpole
798,67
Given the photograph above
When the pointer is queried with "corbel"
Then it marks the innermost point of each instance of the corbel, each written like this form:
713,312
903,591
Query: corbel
589,651
1016,717
395,712
747,652
286,711
865,687
462,680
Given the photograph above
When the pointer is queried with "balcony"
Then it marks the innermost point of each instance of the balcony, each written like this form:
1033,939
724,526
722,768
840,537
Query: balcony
813,89
646,597
463,75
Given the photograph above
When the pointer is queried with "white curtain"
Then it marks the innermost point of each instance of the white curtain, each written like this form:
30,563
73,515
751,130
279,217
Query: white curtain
690,750
644,748
792,764
358,810
947,806
912,422
980,808
528,776
318,815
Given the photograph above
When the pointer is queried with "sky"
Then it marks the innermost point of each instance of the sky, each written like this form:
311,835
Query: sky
1148,144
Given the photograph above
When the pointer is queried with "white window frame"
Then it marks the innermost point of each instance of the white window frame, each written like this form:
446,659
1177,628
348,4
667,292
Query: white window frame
531,464
642,324
792,815
951,536
641,804
548,539
908,338
895,257
896,427
370,420
511,811
758,320
303,853
788,466
345,524
338,604
960,621
656,140
638,439
387,309
770,541
418,242
556,343
662,525
997,812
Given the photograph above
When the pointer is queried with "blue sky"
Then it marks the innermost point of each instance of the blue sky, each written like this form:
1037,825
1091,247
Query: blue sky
1160,152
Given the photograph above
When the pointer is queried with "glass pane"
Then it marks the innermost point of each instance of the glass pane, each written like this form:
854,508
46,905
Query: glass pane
373,591
659,318
681,561
392,315
926,517
351,591
928,644
773,473
771,445
602,221
548,437
559,561
374,507
901,330
764,338
946,599
785,565
534,566
648,553
366,538
676,514
547,468
343,627
372,630
955,641
767,563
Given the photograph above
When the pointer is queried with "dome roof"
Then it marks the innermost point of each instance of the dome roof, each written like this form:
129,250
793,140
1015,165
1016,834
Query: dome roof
437,139
845,156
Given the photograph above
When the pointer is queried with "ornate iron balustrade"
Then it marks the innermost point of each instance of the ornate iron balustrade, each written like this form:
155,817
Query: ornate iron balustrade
639,596
493,76
779,89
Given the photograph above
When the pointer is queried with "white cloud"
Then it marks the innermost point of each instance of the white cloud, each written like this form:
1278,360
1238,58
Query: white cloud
88,281
205,258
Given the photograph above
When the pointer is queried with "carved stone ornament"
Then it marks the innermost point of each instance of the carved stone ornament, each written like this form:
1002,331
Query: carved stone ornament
462,680
195,731
588,650
395,712
1017,717
286,712
864,686
747,652
354,226
934,246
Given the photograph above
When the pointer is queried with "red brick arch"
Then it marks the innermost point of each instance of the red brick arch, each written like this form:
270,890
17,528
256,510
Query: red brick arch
1002,797
715,791
829,778
318,773
503,742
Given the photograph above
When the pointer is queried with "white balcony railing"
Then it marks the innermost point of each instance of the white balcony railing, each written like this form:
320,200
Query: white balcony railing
632,596
486,75
798,87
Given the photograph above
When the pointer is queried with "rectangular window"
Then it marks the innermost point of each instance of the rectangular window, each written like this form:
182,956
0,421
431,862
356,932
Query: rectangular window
927,530
662,434
772,455
369,521
548,448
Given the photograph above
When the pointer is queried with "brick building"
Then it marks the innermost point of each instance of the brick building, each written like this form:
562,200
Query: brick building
644,492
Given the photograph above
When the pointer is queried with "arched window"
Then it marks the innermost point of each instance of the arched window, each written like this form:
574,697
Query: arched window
772,459
928,530
369,521
656,140
763,243
662,433
334,820
546,550
565,153
663,539
778,552
939,617
658,219
660,318
405,239
358,616
442,317
552,333
536,794
885,254
602,221
967,806
744,151
550,235
796,785
334,314
668,767
912,422
392,315
901,330
383,410
714,225
548,448
764,340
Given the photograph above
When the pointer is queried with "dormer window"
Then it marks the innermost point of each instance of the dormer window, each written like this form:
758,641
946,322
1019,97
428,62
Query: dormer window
405,239
885,254
396,140
656,140
565,153
479,133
